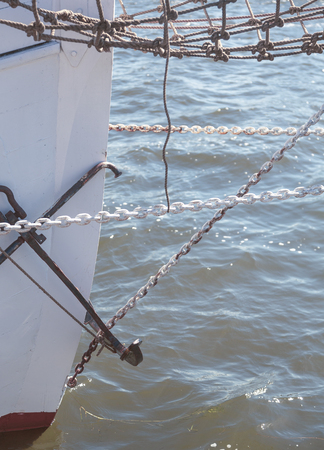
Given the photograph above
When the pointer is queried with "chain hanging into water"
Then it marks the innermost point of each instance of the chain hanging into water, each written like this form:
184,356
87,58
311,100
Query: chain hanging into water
185,249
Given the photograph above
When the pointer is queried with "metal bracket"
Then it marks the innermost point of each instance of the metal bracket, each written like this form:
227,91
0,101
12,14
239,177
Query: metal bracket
19,213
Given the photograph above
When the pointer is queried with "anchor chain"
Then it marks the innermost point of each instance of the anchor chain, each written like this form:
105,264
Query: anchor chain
72,381
243,191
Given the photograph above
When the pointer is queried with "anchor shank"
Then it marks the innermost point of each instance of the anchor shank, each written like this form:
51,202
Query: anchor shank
31,241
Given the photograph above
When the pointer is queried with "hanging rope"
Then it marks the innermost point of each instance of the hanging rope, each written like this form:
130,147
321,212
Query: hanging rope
167,12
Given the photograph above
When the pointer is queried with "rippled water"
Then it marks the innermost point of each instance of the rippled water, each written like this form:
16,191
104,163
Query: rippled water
233,335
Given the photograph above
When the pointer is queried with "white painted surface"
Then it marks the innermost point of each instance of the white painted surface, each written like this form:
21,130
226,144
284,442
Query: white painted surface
54,120
11,38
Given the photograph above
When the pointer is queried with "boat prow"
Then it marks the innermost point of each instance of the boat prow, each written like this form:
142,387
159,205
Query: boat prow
54,110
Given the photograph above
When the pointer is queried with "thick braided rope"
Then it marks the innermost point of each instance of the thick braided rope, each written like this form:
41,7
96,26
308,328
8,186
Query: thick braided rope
104,34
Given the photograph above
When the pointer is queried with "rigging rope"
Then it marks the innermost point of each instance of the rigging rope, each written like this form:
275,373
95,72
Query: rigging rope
207,43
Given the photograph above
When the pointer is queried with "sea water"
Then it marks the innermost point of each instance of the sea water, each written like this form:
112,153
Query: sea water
233,337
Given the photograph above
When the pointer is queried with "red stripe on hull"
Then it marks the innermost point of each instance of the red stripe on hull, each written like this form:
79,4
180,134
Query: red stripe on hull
26,421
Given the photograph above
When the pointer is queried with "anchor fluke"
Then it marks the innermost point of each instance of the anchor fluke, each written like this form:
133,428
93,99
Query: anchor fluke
133,354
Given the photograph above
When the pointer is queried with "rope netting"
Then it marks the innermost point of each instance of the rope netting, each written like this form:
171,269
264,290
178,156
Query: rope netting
205,28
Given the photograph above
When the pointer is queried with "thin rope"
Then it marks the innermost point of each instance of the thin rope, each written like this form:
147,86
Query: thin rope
100,11
167,43
45,292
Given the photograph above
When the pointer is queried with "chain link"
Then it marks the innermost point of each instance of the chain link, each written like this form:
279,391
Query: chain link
22,226
79,368
209,129
279,154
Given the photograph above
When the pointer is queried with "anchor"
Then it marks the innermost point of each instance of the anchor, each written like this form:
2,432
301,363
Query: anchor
132,354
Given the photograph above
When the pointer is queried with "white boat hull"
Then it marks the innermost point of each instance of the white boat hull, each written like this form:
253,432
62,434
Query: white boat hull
54,116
